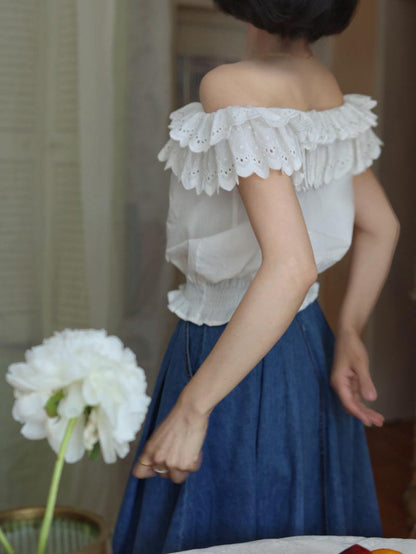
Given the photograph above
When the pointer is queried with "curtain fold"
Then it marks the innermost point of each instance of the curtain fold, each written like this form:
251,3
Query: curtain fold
147,323
96,125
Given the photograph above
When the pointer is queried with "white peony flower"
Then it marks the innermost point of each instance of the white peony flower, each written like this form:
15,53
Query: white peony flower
84,374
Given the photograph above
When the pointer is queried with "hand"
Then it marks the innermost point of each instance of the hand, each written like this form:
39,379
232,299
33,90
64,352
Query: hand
175,445
350,377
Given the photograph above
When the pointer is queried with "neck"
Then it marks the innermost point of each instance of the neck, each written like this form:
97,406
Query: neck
260,43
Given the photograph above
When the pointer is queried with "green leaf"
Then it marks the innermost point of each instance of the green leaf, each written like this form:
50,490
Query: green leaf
52,404
95,452
4,541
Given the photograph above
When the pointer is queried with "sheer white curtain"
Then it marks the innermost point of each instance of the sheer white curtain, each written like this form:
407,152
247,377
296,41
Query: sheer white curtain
147,323
84,97
97,84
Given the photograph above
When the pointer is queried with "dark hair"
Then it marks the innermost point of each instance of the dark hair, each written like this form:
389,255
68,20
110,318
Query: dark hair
292,19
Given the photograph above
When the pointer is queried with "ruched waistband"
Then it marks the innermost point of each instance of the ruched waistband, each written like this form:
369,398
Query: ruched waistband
215,303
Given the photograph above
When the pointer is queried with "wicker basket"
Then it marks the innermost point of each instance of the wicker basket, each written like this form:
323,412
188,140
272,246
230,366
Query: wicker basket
72,531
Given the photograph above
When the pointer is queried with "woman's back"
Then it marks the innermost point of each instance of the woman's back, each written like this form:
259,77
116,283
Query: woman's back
278,80
255,116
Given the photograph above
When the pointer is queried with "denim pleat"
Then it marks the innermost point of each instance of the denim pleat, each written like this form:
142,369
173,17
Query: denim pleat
281,456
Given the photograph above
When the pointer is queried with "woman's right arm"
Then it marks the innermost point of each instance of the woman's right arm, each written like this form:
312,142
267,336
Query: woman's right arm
376,233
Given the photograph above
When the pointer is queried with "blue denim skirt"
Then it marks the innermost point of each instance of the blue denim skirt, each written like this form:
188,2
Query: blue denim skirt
281,456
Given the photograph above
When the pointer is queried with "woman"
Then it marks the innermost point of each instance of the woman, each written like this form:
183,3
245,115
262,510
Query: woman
256,426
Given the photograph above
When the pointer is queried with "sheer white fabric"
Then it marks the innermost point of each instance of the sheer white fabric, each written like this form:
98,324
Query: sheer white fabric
65,202
208,234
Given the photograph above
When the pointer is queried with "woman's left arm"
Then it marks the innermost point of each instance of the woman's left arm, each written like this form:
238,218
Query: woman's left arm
271,301
268,307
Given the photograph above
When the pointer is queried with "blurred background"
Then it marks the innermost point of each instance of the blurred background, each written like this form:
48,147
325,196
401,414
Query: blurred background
86,87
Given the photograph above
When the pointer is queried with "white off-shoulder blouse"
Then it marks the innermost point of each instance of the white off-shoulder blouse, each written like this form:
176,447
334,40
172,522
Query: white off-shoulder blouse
208,233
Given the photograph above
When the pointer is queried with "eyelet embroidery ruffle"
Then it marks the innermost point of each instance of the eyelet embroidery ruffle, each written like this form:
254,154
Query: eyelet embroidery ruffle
209,151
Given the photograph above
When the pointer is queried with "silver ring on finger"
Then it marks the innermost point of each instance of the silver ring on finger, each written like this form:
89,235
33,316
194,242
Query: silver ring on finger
160,470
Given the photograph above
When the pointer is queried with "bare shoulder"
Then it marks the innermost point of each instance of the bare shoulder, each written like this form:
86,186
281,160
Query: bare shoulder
288,83
225,85
244,82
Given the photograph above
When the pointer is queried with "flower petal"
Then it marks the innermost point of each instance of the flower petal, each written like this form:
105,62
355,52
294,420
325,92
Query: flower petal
106,439
73,404
56,429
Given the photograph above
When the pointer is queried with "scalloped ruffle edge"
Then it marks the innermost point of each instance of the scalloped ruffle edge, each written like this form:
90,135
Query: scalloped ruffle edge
209,151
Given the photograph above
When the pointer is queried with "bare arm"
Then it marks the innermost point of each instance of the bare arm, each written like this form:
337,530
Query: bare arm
274,296
376,234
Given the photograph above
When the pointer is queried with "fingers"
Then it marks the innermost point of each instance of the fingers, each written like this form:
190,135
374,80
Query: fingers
178,476
351,378
365,385
364,413
357,408
368,390
349,394
178,473
147,463
368,416
142,471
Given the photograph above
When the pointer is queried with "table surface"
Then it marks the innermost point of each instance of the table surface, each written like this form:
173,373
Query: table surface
309,544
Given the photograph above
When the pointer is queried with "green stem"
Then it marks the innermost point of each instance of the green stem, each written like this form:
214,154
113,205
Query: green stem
53,491
5,543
